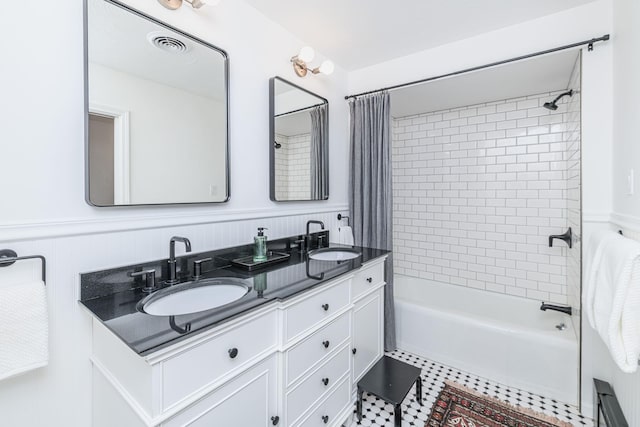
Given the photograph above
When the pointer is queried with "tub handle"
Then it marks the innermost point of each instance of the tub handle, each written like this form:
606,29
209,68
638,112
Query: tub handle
567,237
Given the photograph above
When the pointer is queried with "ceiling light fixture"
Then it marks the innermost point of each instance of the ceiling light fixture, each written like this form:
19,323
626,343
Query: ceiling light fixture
306,55
196,4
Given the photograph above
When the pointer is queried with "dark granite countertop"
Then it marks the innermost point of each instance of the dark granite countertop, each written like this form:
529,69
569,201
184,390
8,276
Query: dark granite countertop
112,296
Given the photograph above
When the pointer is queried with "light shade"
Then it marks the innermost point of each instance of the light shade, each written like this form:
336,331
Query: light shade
197,4
306,54
327,67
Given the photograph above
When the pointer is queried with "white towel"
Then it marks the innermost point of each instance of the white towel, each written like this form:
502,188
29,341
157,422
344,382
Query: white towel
341,235
612,297
24,329
592,260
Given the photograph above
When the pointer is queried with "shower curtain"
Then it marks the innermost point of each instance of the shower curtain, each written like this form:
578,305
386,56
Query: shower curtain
319,152
370,198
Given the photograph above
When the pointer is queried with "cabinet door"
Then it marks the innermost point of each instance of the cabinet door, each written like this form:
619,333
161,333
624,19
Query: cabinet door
367,333
247,400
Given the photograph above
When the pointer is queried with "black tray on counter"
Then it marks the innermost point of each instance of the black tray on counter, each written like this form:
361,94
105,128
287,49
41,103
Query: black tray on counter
247,262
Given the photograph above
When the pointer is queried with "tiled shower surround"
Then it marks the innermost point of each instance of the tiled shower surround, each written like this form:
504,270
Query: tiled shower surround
478,190
293,168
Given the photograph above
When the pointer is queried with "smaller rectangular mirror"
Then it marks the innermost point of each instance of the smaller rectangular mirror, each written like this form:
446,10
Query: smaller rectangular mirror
299,143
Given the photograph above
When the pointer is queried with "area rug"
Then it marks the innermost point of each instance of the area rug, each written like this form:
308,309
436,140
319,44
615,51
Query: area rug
458,406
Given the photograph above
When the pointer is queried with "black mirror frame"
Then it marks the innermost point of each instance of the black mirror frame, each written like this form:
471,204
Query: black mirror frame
86,103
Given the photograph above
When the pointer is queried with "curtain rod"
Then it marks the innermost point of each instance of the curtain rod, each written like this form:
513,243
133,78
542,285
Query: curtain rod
493,64
299,110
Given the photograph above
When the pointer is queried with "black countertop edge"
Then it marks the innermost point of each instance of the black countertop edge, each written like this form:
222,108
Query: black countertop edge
112,296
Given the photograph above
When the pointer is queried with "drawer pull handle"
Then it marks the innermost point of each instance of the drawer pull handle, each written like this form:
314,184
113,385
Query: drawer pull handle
354,350
325,381
369,279
325,418
325,344
325,307
233,353
275,420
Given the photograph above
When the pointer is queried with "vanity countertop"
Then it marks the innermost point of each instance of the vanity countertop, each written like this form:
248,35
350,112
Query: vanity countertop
111,295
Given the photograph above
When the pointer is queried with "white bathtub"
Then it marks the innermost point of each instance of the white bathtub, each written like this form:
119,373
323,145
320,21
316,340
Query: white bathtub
503,338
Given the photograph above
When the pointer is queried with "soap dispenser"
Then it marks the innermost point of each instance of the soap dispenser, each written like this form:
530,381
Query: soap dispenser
260,246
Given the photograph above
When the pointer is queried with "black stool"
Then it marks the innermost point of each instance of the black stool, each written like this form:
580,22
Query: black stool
390,380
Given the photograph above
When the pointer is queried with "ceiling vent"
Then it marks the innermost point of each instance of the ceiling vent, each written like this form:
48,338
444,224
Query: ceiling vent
167,43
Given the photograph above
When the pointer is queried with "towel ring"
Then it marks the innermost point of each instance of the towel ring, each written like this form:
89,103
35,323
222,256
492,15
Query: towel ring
9,257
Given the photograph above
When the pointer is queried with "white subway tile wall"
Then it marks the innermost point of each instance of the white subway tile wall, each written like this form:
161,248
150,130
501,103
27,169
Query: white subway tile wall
477,191
572,136
293,167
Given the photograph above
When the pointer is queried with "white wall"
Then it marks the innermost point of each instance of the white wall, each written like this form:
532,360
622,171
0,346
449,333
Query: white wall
625,214
626,118
42,208
50,169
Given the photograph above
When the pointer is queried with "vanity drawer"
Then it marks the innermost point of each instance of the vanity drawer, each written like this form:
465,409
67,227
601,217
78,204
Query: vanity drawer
318,384
307,353
306,313
367,278
328,410
250,399
230,351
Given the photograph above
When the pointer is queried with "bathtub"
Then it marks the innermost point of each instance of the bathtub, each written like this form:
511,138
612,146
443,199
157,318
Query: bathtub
499,337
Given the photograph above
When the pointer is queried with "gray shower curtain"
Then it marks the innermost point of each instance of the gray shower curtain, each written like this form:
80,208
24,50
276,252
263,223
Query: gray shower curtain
370,198
319,152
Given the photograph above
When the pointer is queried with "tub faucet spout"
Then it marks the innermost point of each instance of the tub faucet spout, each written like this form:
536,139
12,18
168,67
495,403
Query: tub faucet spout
560,308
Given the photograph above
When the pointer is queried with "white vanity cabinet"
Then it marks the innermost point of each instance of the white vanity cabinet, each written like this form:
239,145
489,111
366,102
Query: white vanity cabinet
290,363
317,352
337,349
367,345
212,375
250,399
368,318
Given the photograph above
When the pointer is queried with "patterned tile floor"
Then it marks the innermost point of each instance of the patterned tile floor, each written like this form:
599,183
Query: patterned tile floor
377,413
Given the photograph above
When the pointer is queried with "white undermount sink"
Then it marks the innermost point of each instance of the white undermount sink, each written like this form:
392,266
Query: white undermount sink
194,297
334,254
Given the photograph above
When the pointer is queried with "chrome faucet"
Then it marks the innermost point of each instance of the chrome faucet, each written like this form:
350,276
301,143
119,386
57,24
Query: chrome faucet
307,236
172,280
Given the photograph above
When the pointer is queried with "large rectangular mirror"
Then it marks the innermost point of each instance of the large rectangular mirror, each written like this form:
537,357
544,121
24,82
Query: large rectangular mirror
299,145
156,112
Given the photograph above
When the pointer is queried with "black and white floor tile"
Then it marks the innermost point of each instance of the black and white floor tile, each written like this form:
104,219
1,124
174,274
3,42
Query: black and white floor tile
377,413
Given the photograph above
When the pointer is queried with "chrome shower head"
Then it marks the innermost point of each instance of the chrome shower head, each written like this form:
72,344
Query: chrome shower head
277,145
552,105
